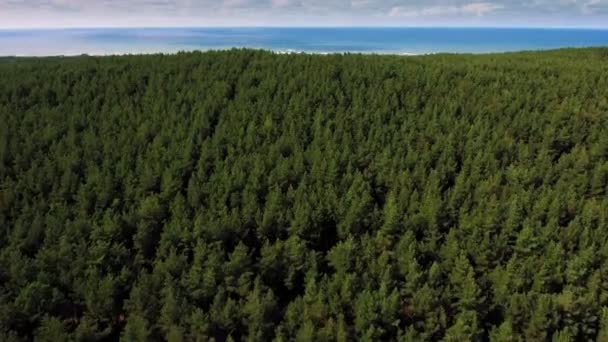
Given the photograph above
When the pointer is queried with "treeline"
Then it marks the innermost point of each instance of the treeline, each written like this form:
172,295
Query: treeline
249,196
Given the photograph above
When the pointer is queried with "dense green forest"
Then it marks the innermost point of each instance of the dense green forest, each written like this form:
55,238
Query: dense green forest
249,196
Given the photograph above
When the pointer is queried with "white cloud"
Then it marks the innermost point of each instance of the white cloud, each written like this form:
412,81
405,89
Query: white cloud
281,3
361,3
595,6
237,3
475,8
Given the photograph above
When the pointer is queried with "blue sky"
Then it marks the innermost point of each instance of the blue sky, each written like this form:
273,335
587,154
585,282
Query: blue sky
138,13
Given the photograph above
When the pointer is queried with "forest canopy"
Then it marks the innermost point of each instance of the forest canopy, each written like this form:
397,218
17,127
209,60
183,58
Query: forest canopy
249,196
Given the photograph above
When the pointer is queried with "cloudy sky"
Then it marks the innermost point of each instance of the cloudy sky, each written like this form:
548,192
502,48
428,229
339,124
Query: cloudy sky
130,13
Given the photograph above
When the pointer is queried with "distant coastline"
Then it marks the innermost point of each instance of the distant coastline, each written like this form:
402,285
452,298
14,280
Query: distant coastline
389,40
294,52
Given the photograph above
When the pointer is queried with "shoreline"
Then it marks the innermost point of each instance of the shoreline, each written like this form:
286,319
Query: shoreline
290,52
314,41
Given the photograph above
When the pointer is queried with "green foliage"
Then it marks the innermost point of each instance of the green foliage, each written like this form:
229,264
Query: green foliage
249,196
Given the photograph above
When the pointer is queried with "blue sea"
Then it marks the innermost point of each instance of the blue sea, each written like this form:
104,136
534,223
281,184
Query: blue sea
42,42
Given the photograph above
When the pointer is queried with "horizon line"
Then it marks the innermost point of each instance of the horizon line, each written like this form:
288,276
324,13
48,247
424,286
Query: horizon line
77,27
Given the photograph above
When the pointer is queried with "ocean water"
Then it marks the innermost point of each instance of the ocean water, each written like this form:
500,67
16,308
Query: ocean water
41,42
